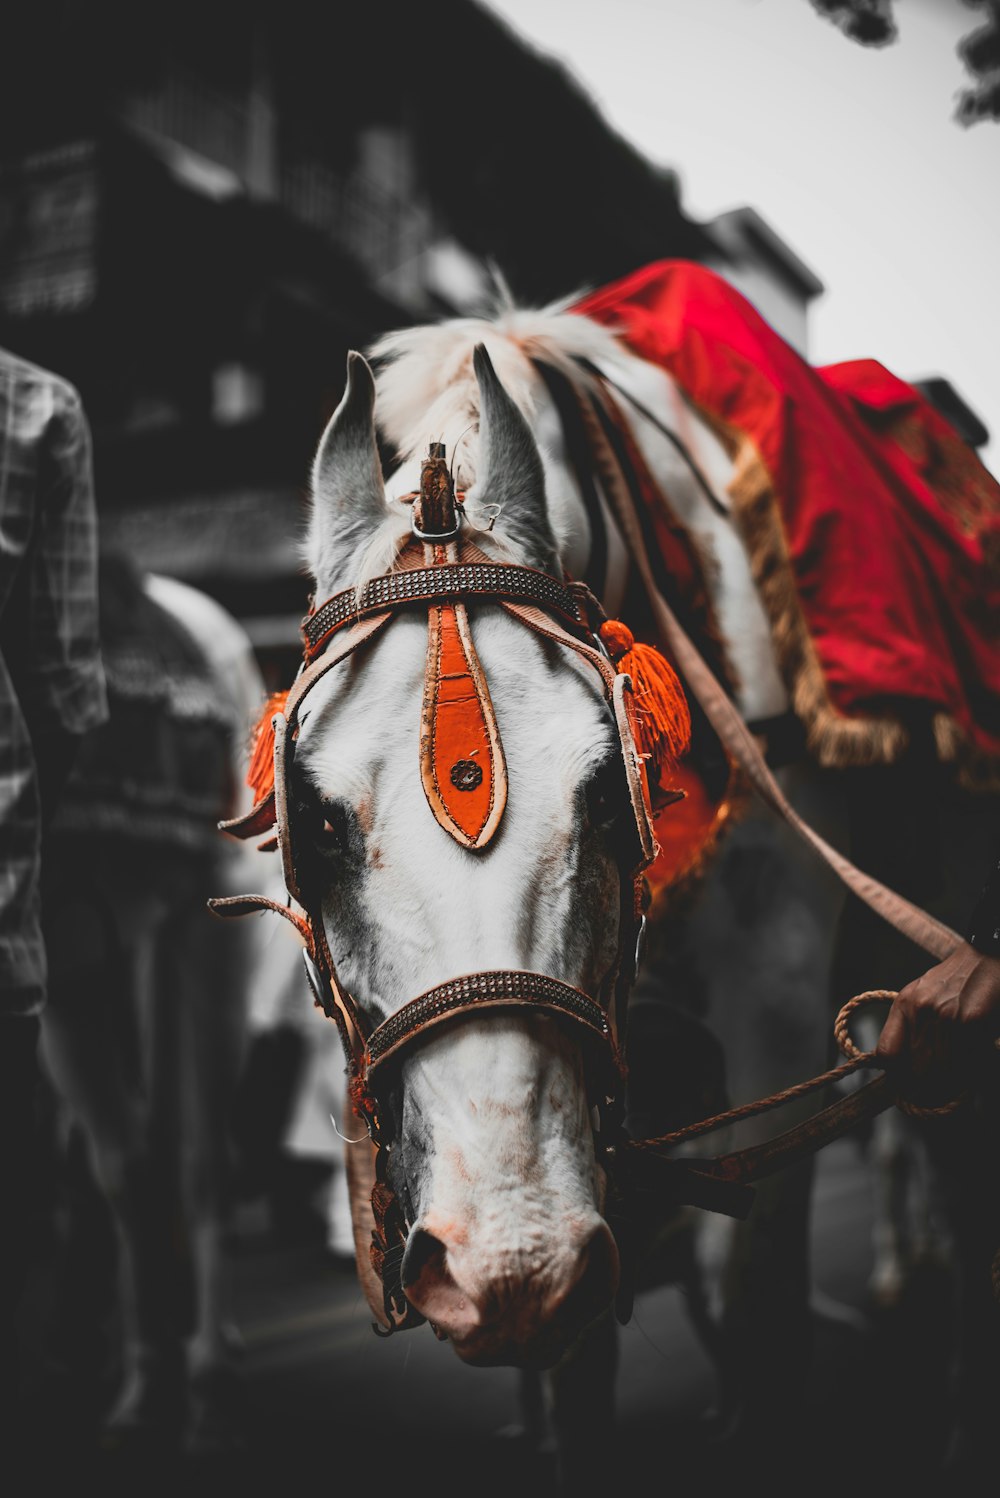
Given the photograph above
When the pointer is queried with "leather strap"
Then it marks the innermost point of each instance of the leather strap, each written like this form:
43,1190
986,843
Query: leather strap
504,987
262,817
724,1183
631,922
430,584
240,905
931,934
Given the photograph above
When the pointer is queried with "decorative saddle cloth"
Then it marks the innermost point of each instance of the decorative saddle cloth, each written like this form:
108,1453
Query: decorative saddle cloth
873,529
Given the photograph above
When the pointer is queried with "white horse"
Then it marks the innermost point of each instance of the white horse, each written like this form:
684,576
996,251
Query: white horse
145,1033
750,959
485,1124
507,1253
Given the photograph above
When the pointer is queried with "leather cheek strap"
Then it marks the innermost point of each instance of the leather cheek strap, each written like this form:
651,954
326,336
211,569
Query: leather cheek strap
622,701
619,692
286,729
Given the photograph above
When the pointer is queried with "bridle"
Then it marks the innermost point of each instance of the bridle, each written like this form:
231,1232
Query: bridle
438,571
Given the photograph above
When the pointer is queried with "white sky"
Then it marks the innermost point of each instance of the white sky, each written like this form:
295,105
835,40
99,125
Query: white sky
850,153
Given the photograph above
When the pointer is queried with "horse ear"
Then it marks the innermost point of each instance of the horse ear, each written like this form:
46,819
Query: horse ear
348,494
509,470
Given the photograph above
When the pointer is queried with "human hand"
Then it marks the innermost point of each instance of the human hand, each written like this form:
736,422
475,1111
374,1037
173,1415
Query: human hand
950,1013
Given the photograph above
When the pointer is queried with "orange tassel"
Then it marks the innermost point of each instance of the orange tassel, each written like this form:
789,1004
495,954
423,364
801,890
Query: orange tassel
260,774
663,718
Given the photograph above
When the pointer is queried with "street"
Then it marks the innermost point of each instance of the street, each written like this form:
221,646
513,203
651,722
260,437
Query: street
322,1399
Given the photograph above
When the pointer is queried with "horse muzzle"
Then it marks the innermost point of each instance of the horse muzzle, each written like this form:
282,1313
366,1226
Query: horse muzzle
518,1311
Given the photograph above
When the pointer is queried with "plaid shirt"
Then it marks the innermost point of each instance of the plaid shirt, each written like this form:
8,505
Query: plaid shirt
51,675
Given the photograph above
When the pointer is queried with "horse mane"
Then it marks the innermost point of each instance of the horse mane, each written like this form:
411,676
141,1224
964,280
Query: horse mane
426,388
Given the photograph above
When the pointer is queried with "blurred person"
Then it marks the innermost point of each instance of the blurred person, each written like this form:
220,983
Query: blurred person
145,1027
52,692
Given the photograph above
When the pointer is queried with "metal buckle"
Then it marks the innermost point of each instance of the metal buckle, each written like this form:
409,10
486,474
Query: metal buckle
436,535
600,647
320,992
640,946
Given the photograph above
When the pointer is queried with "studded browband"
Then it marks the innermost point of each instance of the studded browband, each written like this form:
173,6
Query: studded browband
438,584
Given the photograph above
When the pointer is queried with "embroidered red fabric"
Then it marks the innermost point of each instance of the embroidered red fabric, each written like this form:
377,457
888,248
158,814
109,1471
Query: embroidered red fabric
888,523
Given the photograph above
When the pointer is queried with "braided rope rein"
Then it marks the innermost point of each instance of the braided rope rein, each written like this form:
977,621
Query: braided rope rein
857,1060
840,1030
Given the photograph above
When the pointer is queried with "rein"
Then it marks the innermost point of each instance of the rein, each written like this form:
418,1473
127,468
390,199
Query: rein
746,1165
723,1183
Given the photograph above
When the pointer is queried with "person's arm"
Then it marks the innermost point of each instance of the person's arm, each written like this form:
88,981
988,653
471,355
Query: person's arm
955,1005
51,638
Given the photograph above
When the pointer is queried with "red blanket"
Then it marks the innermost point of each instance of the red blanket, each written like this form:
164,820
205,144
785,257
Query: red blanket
874,531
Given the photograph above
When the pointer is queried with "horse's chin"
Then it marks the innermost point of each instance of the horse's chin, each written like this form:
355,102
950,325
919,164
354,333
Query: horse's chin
536,1356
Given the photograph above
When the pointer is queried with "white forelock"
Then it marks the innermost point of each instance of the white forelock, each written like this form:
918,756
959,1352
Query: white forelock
426,387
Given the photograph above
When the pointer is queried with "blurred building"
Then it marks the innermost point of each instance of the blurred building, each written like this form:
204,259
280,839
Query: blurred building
759,263
204,206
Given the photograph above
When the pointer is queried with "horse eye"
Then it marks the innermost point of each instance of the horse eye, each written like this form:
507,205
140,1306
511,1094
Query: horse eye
326,824
332,834
604,794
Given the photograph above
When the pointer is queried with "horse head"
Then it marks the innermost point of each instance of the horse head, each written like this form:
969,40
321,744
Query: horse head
486,1114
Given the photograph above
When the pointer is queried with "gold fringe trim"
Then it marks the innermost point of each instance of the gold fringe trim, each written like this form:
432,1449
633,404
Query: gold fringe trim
976,771
966,489
835,741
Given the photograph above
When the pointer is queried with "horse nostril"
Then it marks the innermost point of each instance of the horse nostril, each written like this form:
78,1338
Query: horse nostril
424,1254
431,1288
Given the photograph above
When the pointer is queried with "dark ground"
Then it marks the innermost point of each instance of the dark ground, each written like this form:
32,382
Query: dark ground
323,1404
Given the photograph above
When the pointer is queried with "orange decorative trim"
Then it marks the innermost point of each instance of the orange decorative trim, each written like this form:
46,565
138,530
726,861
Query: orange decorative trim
260,773
462,764
662,718
689,839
